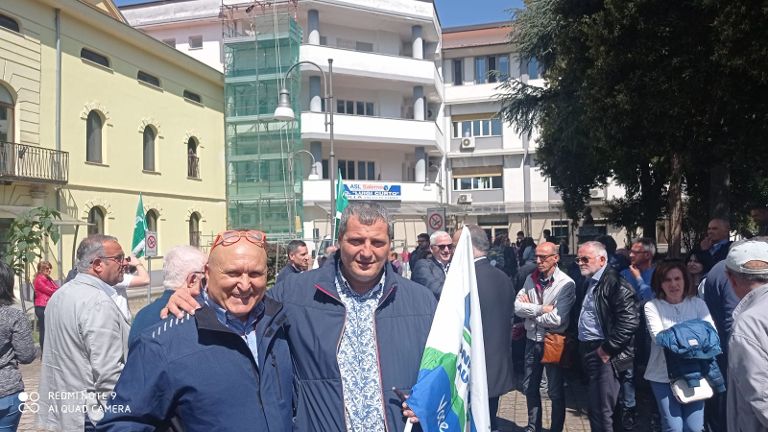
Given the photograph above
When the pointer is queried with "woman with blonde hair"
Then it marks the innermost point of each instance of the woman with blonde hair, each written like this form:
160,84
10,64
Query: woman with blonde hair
44,288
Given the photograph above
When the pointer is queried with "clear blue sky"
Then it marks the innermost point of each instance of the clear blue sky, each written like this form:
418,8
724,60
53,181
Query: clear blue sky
465,12
452,12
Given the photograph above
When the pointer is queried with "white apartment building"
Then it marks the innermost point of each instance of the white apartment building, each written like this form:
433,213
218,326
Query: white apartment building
492,174
415,111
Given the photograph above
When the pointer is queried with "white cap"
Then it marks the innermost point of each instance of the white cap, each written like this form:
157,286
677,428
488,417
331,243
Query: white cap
744,251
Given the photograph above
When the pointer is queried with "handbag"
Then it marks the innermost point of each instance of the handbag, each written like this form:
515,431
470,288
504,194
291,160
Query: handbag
687,394
554,345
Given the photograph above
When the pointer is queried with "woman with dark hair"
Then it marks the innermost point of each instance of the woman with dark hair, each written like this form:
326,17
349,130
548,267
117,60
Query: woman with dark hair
675,302
696,270
16,346
44,288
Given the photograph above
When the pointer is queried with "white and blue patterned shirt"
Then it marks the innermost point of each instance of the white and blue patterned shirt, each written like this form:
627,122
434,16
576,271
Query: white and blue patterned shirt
358,358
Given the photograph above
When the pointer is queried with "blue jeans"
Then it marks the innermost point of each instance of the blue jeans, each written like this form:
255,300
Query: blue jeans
9,412
677,417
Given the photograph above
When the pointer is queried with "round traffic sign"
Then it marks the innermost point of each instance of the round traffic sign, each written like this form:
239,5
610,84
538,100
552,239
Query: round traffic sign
151,241
436,221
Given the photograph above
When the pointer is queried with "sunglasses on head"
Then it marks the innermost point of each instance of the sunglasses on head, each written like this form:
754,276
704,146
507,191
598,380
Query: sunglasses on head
228,238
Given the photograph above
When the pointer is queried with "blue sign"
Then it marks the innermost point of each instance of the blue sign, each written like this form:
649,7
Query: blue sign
372,191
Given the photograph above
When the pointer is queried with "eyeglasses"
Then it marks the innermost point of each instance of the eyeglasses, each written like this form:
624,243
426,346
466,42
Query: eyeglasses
543,257
583,259
448,246
116,258
228,238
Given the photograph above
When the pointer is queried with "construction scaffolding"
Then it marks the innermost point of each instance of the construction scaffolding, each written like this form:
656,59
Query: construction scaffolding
261,42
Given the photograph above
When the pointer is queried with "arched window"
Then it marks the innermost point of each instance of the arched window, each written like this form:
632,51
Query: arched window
6,114
93,128
149,148
95,221
193,161
9,23
151,220
194,230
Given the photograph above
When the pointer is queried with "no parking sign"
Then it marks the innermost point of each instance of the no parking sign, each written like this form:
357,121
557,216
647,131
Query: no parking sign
150,244
435,219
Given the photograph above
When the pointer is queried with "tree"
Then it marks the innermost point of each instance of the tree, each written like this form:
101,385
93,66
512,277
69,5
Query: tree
27,237
651,93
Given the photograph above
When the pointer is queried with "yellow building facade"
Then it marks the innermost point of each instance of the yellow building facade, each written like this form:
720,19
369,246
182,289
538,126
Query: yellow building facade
92,112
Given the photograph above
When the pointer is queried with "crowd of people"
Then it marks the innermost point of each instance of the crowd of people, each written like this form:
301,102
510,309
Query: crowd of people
339,346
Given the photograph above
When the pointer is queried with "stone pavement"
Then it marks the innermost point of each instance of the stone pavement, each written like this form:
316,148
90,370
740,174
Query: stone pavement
512,408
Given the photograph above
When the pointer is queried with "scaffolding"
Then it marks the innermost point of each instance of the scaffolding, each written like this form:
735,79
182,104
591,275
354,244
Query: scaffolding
261,42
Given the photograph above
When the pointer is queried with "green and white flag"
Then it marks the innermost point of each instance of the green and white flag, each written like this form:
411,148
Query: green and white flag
139,228
341,203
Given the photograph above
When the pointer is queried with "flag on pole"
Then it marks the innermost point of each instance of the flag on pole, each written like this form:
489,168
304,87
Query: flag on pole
139,228
341,203
451,393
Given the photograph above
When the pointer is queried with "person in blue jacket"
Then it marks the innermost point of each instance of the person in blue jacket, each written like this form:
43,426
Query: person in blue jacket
357,330
228,368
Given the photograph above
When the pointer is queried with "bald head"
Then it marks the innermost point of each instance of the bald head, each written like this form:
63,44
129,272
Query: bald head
237,277
547,258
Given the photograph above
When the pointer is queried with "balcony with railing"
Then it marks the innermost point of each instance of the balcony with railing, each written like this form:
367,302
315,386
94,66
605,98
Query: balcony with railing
21,162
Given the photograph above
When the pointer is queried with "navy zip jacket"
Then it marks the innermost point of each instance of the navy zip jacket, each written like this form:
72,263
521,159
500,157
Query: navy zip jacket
202,373
690,348
317,318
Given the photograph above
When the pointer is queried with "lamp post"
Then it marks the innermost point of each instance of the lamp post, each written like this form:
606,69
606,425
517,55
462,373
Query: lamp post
285,112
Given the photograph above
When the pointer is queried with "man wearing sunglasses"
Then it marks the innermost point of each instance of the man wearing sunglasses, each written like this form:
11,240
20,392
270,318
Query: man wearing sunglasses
86,339
356,330
228,368
431,272
605,318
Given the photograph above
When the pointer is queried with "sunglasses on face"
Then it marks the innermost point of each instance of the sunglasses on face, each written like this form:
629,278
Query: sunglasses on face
543,257
228,238
445,246
583,259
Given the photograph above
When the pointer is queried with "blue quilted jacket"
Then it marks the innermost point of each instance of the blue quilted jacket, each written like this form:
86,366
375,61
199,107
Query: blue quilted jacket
690,348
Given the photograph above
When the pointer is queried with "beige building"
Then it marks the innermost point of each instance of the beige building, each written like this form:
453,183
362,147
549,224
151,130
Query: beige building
92,112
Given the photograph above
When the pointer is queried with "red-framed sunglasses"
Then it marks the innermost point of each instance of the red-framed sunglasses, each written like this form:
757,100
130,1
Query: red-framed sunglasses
228,238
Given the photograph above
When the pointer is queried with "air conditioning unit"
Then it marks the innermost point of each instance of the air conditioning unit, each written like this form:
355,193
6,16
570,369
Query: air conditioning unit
468,143
464,199
596,193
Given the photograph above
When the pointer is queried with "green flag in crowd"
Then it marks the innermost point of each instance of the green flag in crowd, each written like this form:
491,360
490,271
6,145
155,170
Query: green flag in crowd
139,228
341,203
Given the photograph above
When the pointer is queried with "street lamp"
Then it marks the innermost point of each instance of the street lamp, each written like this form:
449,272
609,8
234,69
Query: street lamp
285,112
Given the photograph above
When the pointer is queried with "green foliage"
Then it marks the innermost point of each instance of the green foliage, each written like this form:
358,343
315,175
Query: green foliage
641,91
27,236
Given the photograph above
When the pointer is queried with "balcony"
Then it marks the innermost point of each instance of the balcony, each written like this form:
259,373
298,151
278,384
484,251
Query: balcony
470,93
357,128
20,162
373,65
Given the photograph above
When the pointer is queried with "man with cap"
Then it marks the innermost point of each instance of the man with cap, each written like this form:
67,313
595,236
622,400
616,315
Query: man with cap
747,269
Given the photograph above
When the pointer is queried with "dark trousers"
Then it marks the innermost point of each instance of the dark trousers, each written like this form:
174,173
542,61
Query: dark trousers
603,388
493,408
534,351
40,314
715,412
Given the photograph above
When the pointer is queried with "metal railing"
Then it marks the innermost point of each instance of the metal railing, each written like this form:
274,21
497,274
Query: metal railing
24,162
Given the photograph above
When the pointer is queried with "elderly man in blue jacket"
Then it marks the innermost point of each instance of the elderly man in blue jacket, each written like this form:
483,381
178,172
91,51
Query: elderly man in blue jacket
228,368
357,330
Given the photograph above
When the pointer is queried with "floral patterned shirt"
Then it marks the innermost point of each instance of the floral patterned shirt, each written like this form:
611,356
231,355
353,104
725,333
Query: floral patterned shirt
358,358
